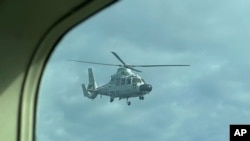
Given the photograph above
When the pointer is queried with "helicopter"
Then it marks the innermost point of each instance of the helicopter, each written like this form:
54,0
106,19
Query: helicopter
124,84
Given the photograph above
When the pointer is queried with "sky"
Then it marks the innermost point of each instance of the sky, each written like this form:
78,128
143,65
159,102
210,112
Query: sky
186,104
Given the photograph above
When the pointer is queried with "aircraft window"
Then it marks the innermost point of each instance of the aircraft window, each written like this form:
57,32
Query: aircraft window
123,81
136,80
128,80
211,36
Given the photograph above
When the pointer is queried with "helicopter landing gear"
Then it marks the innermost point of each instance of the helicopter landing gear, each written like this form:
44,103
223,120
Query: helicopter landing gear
111,99
141,97
128,102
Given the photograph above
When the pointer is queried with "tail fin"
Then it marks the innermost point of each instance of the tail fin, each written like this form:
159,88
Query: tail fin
90,91
92,83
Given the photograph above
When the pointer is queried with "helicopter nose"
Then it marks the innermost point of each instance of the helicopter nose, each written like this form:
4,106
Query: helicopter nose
145,87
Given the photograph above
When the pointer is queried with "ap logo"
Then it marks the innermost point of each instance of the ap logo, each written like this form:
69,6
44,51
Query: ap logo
239,132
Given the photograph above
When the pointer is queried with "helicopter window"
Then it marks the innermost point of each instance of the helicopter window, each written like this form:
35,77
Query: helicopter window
143,80
128,81
123,81
136,80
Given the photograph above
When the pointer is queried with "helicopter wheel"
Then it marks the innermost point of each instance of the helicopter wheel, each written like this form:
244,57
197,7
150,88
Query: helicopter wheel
129,103
111,99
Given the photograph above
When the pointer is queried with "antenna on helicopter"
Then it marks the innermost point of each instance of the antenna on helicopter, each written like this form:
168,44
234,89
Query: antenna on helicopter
132,67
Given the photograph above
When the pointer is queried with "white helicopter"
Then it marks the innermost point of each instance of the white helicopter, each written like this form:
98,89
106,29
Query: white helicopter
124,84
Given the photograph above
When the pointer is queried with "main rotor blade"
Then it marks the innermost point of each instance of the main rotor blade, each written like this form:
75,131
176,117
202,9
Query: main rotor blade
118,58
159,65
134,69
95,63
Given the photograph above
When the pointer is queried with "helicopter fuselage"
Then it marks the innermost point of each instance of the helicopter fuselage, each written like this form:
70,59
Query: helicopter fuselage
123,90
123,85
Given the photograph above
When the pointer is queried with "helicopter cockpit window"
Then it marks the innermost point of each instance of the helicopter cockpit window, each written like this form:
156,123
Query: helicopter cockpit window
136,80
123,81
143,80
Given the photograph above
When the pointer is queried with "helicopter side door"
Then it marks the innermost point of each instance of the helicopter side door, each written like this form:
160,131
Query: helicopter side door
126,87
123,88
